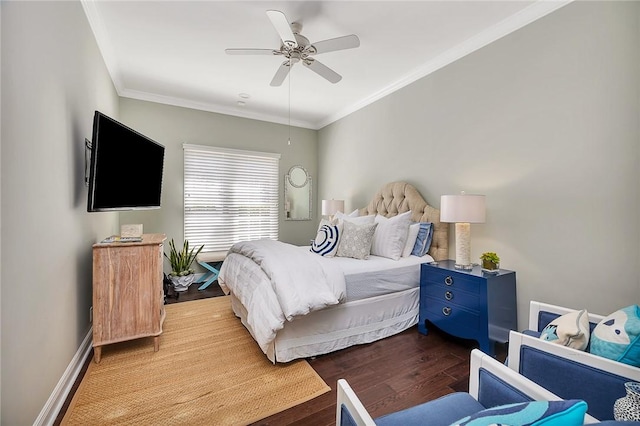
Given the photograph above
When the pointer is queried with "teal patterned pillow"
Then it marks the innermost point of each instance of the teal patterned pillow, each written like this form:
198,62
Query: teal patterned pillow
617,336
548,413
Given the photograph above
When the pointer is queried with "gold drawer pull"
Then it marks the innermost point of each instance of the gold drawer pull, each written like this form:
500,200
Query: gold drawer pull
448,280
446,311
448,295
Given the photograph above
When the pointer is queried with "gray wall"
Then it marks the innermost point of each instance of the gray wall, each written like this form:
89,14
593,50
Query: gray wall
545,123
53,78
174,126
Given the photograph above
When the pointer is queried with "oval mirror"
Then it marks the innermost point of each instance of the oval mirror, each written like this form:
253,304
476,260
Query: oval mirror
297,194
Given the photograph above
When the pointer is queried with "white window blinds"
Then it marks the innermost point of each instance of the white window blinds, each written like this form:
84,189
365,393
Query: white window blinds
229,196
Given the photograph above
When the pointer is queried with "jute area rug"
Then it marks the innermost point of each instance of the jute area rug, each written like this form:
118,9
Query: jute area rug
208,371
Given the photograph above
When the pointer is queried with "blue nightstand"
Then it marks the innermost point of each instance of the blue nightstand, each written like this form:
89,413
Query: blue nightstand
468,304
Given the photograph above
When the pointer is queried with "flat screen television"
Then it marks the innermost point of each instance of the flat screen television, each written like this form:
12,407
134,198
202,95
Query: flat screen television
125,168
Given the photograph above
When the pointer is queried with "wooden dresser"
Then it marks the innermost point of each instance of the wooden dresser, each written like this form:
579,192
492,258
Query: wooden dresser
128,297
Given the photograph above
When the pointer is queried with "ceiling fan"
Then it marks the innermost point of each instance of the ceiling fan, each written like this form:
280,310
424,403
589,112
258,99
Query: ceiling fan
296,48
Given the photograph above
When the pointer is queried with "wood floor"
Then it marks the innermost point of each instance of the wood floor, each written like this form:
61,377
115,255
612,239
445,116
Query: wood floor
388,375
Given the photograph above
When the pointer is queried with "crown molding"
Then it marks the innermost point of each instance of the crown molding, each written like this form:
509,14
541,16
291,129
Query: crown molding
203,106
100,34
526,16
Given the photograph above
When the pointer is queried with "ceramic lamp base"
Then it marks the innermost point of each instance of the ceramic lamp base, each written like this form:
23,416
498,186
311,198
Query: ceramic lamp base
463,246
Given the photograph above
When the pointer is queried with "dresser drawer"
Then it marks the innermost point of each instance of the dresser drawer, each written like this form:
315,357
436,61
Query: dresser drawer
451,279
448,316
451,295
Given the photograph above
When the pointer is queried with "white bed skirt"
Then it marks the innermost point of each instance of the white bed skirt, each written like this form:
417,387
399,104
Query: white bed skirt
341,326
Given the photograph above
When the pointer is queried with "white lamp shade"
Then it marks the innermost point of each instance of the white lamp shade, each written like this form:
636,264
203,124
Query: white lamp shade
330,207
462,208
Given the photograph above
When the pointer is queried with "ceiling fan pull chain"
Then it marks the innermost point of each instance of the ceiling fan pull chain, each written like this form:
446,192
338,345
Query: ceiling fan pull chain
289,142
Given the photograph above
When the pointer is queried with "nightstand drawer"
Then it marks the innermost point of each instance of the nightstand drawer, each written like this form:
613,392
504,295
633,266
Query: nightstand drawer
446,315
452,296
452,279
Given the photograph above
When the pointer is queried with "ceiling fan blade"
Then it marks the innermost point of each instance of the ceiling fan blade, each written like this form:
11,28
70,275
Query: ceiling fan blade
252,52
338,43
322,70
279,21
281,74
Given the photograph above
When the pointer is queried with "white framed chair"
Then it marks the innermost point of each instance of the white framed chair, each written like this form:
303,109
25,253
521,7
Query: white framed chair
568,372
491,384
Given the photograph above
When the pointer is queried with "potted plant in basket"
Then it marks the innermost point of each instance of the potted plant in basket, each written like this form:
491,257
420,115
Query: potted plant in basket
182,275
490,262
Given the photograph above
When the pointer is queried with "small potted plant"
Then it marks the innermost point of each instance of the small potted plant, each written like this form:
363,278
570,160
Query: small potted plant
490,261
182,276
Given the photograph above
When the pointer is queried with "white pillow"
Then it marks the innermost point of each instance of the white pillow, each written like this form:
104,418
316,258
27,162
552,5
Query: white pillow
326,222
414,228
391,235
359,220
570,329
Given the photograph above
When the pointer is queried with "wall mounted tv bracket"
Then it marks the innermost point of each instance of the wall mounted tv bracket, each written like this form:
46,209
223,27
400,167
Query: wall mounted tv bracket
87,160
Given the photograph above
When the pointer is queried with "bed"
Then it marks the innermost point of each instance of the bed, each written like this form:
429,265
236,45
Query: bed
363,301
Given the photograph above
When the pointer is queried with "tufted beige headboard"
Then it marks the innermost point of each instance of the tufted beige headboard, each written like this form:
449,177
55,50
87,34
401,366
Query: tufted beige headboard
400,197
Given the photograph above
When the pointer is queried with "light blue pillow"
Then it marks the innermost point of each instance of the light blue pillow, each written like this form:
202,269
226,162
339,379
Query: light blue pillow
423,241
548,413
617,336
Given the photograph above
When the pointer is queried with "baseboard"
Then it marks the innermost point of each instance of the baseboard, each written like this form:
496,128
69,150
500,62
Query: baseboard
57,399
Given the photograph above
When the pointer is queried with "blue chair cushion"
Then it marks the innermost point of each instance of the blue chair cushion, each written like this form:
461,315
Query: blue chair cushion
439,412
532,333
548,413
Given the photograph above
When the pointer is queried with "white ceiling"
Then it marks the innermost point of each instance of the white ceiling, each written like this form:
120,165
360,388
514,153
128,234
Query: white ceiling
173,52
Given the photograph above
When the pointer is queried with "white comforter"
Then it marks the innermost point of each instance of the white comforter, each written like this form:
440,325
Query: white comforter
277,282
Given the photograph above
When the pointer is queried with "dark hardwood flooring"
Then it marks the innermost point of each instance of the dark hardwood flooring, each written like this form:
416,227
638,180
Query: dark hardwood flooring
388,375
193,293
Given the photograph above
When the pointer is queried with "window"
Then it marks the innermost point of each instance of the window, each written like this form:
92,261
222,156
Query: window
229,196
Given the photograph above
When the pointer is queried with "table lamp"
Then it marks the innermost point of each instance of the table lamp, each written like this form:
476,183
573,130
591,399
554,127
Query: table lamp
331,207
463,210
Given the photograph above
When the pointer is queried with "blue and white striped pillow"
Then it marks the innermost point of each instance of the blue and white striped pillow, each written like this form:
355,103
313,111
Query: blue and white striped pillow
391,235
327,239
